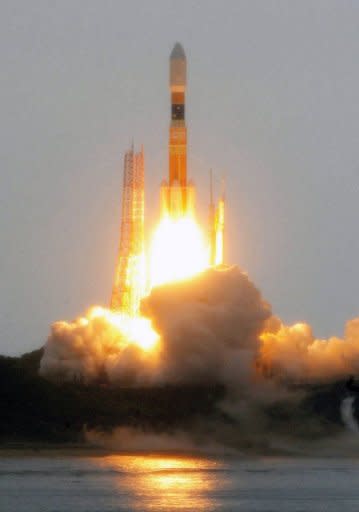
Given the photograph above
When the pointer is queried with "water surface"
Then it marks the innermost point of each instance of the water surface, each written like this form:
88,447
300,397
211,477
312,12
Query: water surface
177,483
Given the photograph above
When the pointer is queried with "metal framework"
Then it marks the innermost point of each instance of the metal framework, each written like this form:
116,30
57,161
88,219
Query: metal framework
130,276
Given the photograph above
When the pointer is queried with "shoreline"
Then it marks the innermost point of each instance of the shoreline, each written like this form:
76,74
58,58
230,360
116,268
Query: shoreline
69,450
26,449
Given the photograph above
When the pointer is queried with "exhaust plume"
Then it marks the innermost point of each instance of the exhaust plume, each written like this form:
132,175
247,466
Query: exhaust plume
209,330
217,329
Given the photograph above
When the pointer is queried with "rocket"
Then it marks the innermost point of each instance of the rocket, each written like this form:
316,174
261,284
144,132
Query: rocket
178,132
177,194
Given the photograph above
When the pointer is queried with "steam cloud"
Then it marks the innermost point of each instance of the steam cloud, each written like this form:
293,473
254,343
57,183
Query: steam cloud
210,331
215,328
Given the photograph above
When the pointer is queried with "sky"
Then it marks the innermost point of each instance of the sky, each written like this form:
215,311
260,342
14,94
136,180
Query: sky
272,105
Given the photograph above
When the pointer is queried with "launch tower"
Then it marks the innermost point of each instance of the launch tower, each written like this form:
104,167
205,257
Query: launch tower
130,276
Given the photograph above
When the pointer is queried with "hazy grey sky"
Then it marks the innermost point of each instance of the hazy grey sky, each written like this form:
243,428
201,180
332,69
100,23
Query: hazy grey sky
272,102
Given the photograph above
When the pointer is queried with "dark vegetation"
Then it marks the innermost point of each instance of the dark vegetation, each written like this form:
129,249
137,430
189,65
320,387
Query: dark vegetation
315,415
36,410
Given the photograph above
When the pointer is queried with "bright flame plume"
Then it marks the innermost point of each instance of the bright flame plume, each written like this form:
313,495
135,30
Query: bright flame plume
178,251
136,329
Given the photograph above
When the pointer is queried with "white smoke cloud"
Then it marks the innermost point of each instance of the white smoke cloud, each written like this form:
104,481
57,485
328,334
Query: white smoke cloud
347,412
209,325
294,352
209,328
88,346
214,328
135,440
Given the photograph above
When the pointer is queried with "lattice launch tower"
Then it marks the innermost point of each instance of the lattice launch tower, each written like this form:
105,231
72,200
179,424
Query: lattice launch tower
130,275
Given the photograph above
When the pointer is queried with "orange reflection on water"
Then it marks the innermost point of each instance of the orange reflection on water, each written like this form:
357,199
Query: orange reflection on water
165,482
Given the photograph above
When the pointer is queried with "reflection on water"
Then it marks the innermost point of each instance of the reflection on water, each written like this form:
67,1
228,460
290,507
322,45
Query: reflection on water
175,483
165,482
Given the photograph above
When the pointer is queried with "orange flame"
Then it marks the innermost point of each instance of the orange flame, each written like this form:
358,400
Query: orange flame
178,250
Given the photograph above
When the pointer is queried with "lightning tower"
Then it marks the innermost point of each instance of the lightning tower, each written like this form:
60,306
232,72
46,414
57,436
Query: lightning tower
212,222
219,230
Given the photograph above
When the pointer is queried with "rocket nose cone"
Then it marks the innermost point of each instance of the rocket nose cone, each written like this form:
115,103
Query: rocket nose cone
178,52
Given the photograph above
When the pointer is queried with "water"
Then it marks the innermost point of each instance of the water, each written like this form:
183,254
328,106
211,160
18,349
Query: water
169,483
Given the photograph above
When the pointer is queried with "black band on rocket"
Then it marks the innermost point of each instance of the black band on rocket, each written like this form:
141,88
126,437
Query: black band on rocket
177,112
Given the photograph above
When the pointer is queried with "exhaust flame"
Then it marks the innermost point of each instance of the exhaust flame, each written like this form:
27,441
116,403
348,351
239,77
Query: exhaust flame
178,251
136,330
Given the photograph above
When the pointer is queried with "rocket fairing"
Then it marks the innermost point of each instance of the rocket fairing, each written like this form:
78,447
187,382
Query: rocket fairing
177,197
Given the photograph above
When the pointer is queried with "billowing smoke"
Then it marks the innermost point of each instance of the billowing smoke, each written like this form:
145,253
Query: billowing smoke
216,329
347,412
293,352
209,328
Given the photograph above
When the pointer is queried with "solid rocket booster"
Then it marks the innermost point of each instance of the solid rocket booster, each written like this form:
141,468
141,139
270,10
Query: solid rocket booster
216,226
177,196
